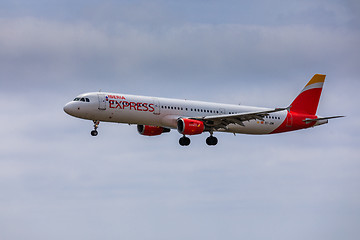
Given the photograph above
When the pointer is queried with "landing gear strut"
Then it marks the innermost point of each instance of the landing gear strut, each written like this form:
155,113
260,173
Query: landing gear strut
184,141
211,141
96,125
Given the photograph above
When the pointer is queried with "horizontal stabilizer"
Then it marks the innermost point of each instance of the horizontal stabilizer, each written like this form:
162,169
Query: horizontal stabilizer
321,119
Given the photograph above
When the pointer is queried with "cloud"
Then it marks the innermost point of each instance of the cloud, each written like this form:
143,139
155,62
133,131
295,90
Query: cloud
55,176
46,53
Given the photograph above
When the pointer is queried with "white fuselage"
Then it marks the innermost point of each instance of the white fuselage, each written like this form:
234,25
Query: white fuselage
155,116
164,112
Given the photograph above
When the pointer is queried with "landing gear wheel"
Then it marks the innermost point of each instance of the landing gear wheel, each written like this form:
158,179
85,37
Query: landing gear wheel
184,141
96,125
211,141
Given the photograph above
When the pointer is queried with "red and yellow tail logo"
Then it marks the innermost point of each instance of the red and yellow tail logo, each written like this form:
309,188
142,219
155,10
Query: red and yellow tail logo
307,101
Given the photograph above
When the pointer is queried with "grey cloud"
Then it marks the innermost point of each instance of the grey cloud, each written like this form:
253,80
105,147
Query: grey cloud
57,182
49,53
169,13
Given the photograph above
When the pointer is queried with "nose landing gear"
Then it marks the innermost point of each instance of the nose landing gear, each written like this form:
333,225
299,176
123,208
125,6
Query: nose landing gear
96,125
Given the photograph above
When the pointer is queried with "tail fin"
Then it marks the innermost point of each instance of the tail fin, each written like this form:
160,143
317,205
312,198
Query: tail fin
308,99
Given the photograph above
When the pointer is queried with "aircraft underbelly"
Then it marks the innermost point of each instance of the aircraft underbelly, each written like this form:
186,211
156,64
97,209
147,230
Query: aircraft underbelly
254,127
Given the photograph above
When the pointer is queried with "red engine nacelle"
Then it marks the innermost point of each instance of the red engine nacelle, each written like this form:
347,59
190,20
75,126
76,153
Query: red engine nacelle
151,130
190,127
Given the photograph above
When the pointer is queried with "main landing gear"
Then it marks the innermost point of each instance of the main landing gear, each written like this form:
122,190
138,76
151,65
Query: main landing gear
96,125
184,141
211,141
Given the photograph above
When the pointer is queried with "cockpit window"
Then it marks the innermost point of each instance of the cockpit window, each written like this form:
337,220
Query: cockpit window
82,99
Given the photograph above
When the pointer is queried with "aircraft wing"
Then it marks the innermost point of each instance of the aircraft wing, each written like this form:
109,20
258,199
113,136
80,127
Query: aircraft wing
221,121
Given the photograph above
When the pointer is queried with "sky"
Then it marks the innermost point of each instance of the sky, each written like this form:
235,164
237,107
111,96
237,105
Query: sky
58,182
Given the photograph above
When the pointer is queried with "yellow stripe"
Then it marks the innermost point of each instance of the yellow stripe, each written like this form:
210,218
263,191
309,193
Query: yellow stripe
316,78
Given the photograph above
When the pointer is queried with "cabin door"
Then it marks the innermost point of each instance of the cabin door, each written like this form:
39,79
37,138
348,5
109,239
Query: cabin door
102,101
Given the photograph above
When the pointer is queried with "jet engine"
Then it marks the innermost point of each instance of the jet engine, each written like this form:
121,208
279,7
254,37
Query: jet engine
189,126
151,130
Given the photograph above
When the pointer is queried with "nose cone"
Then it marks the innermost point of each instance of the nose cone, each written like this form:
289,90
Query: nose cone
69,109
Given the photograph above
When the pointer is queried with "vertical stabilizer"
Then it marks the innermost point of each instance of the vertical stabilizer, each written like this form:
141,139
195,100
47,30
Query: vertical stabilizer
308,99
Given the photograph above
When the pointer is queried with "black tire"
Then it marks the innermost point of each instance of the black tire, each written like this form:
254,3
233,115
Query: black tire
215,141
187,141
94,133
184,141
181,141
211,141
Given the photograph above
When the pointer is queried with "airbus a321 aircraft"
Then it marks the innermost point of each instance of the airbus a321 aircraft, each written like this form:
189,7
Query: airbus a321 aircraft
155,116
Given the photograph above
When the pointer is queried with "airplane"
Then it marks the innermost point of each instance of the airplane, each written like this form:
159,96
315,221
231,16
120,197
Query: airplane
154,116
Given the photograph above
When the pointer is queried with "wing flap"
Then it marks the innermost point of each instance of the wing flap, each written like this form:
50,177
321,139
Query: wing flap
226,119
